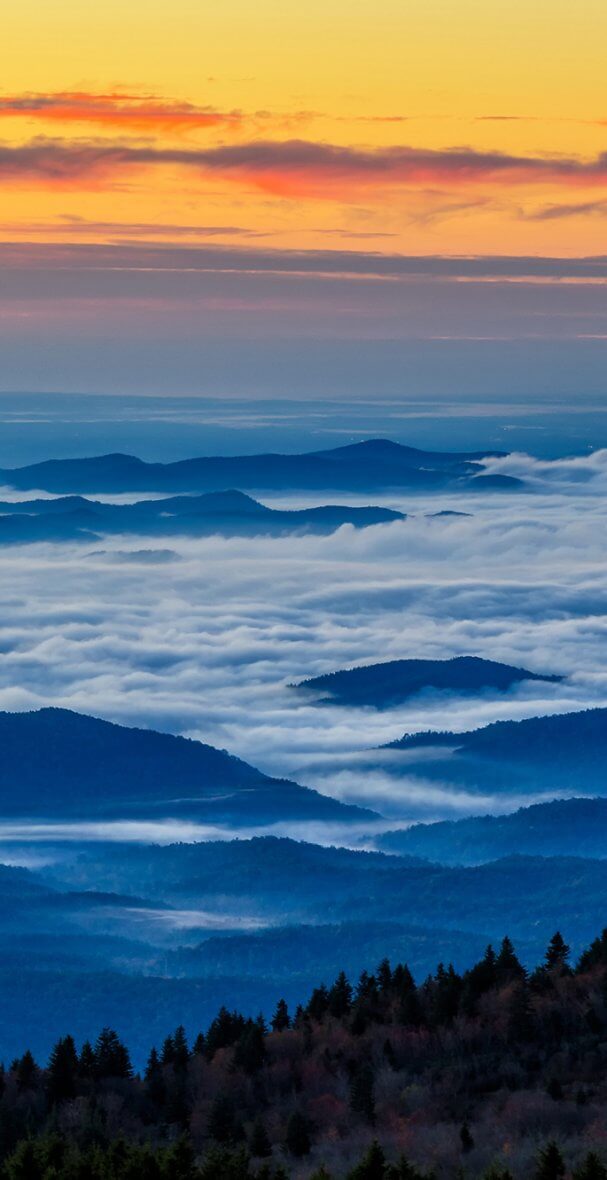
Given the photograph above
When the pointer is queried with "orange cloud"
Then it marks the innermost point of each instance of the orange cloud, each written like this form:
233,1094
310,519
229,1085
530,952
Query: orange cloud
136,113
296,167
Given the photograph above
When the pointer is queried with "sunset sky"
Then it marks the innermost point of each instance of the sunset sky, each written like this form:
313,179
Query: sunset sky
175,173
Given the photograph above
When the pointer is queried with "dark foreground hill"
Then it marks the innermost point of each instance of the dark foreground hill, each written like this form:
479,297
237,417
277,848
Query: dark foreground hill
493,1073
375,465
564,827
229,514
394,681
56,763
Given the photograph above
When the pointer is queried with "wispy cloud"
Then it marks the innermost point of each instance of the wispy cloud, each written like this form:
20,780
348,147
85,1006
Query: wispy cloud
132,112
296,166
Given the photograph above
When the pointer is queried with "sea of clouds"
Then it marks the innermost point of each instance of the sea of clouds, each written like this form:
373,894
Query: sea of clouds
205,640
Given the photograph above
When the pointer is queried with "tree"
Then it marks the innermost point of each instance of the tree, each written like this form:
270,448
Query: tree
340,997
154,1080
111,1056
297,1138
362,1099
86,1061
592,1168
181,1053
557,952
259,1143
507,964
465,1138
281,1019
550,1164
26,1072
62,1071
384,976
372,1166
222,1125
250,1051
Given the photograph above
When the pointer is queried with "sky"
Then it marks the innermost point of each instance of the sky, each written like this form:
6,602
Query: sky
190,190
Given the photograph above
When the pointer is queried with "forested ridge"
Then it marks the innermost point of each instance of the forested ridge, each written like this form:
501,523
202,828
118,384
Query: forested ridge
498,1074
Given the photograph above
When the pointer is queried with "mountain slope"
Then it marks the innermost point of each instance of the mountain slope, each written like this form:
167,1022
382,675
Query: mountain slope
59,763
394,681
564,827
560,755
366,466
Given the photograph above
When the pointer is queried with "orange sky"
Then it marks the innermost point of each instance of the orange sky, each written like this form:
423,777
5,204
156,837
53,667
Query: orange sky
420,127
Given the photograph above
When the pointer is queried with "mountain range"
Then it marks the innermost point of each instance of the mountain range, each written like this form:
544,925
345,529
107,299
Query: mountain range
229,513
373,465
394,681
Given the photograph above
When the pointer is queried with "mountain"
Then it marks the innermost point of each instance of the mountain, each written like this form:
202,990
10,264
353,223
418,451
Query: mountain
268,875
564,827
59,763
230,513
394,681
284,882
561,754
374,465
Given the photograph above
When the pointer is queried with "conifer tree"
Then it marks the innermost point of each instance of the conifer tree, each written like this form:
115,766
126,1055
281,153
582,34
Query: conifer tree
362,1099
550,1164
340,996
297,1138
281,1019
259,1143
62,1071
372,1166
592,1168
557,952
507,964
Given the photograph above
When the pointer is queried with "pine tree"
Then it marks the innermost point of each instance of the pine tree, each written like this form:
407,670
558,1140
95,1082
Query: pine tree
281,1019
340,996
26,1072
181,1053
362,1100
592,1168
222,1125
62,1071
384,976
465,1138
86,1061
372,1166
250,1051
507,964
259,1143
550,1164
557,952
111,1056
154,1080
297,1138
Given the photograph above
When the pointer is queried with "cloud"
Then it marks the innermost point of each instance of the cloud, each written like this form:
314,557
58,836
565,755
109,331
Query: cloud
128,111
294,167
169,256
208,645
562,211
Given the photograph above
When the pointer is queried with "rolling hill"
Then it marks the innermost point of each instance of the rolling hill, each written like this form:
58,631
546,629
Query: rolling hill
394,681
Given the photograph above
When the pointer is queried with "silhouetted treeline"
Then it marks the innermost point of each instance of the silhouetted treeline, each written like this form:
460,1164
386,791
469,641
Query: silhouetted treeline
495,1073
